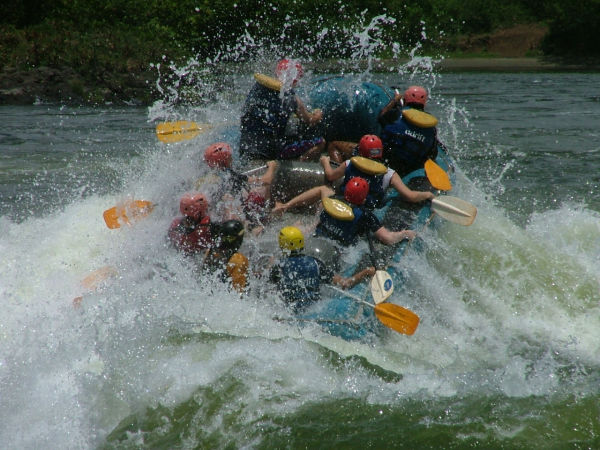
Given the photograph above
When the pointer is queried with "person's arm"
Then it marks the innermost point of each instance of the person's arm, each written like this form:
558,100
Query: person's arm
266,178
407,193
347,283
384,115
389,237
311,119
330,173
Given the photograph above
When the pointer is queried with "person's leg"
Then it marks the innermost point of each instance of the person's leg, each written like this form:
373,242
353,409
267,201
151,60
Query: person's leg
307,198
303,150
314,153
340,151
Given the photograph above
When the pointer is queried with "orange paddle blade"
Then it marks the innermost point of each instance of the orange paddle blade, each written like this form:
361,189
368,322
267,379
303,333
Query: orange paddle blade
93,280
437,176
98,276
397,318
125,213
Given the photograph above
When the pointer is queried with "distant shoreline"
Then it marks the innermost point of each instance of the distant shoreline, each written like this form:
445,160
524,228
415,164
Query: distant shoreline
484,64
467,64
22,87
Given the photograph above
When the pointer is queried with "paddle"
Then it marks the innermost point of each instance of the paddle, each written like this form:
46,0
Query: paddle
127,212
180,130
93,280
392,316
454,209
382,285
437,176
135,210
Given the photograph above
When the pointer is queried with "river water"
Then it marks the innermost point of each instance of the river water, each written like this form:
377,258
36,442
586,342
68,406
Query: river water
506,354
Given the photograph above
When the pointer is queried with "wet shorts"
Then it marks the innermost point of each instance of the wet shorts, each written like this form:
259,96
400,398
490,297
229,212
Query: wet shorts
299,148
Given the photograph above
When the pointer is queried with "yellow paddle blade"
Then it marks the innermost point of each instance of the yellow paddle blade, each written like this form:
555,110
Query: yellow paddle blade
437,176
419,118
368,165
267,81
397,318
338,209
125,213
454,209
170,132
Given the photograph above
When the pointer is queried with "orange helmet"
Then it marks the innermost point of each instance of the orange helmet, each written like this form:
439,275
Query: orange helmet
289,70
416,95
218,154
194,205
356,190
370,146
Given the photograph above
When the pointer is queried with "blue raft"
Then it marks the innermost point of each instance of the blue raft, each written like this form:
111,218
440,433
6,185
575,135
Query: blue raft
350,111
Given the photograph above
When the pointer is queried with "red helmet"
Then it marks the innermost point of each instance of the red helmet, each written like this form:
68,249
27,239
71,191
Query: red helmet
194,205
356,190
415,94
370,146
218,154
289,70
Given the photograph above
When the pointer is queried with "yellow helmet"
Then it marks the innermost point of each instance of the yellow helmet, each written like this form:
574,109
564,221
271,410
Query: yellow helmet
291,238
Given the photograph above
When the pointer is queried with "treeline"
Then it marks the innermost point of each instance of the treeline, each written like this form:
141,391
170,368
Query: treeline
127,35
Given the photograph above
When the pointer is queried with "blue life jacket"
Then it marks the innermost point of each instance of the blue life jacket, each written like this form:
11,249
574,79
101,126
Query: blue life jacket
343,231
407,145
265,115
376,193
300,280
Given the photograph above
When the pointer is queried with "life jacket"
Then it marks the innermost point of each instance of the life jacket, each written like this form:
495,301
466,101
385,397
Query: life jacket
190,236
376,193
264,119
233,265
406,144
237,269
343,231
299,280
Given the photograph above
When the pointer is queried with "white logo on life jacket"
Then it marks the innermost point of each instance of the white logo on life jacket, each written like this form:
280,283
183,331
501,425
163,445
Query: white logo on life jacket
415,135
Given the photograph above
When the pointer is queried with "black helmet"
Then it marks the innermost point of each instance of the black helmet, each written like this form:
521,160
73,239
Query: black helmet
231,233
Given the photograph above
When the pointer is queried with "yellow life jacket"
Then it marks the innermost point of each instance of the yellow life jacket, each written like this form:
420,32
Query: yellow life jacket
368,166
267,81
419,118
338,209
237,269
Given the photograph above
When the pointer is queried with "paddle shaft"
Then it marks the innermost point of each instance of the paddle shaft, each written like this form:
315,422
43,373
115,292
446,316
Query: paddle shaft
353,297
253,171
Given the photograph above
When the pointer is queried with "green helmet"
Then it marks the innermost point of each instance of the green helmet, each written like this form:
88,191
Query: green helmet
231,234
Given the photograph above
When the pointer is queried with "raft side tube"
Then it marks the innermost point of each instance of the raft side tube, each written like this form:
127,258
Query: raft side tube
295,177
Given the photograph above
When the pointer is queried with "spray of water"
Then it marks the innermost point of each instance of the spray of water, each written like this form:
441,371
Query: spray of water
501,314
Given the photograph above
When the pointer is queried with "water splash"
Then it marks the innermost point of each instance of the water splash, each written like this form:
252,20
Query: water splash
508,312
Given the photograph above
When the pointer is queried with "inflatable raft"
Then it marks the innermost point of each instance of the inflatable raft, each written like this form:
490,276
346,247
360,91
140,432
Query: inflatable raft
350,110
